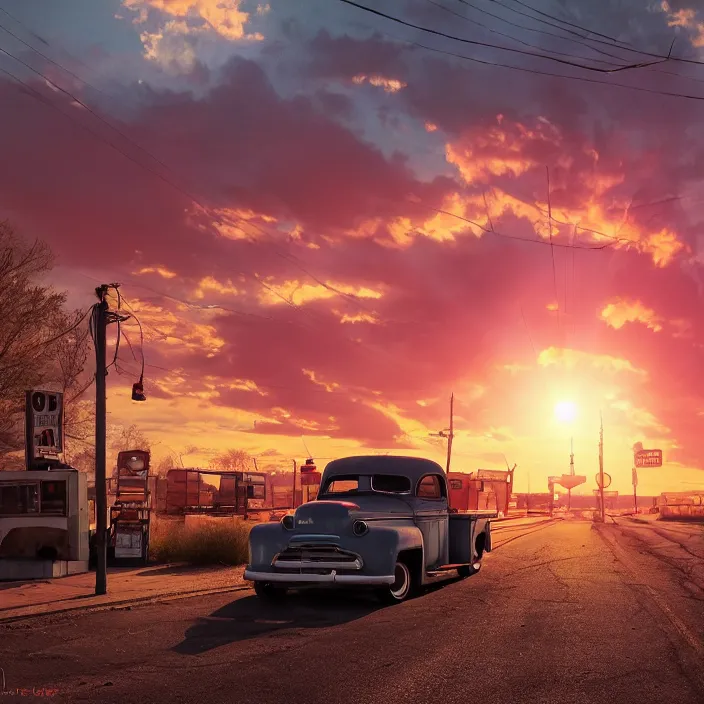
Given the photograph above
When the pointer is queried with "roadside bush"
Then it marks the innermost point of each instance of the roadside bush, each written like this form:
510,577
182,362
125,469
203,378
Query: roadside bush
211,543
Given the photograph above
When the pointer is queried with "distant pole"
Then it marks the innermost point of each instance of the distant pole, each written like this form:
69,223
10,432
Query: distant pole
569,491
100,312
601,468
451,434
448,433
293,496
635,490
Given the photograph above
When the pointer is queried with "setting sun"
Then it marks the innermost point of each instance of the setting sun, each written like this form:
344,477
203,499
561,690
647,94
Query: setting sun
565,411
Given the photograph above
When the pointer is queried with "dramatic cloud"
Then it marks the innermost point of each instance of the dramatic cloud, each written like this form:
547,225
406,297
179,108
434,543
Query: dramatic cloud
619,312
325,229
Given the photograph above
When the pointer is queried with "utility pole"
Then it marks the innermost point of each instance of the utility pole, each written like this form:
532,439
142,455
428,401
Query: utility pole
293,496
601,467
635,490
569,490
100,321
452,432
448,433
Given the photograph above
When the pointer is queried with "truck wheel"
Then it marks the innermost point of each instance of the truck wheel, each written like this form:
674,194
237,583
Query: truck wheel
404,585
468,570
268,592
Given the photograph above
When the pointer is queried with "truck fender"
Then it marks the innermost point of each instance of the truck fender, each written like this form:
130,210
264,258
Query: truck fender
410,538
487,540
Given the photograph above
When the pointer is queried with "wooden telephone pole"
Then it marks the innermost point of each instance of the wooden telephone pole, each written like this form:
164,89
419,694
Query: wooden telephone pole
448,433
601,469
100,321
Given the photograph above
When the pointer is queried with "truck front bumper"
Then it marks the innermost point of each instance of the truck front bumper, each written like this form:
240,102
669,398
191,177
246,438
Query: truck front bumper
331,578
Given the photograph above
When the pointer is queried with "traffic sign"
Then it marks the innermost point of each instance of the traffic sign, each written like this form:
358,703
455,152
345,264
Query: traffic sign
648,458
607,480
570,481
44,436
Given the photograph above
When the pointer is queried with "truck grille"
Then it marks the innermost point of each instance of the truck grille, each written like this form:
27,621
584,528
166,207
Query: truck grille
317,557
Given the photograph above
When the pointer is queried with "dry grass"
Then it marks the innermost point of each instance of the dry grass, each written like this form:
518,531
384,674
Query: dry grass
210,543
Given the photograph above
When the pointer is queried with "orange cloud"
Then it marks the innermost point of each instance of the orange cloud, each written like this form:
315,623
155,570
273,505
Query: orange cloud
499,150
300,293
390,85
210,284
164,326
570,359
162,271
327,386
356,318
621,311
168,45
686,18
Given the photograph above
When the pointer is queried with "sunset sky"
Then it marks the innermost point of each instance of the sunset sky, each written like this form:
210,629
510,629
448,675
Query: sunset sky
328,221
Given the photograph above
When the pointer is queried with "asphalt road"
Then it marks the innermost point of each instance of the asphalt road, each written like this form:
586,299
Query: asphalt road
561,612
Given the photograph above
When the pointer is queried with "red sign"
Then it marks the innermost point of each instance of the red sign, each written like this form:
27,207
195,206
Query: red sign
310,478
607,480
648,458
309,466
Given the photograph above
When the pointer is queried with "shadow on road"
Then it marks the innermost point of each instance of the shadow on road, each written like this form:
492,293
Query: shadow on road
249,617
179,569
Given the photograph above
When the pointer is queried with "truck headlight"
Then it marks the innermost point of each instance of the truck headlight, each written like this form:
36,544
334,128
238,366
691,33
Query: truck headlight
360,528
287,522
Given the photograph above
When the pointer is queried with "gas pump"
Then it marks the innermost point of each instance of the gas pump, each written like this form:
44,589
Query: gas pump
310,480
130,515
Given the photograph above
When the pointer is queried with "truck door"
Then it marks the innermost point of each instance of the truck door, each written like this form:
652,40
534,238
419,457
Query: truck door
432,519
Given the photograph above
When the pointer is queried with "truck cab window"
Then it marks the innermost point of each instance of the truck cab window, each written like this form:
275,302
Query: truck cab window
342,485
391,483
429,487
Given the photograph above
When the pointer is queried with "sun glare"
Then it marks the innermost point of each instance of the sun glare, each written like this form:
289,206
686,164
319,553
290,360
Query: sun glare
565,411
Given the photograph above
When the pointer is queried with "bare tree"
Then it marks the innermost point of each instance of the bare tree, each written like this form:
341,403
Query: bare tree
35,347
233,461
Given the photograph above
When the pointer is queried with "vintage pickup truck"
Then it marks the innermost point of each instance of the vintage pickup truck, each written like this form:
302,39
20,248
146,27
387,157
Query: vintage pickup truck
378,522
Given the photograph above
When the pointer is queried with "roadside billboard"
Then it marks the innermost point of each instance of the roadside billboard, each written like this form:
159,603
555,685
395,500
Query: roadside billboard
648,458
44,431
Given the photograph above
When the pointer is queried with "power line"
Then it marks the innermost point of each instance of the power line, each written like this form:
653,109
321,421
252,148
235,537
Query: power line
528,332
542,31
496,46
557,19
669,56
538,72
48,58
506,236
583,34
520,41
48,342
552,251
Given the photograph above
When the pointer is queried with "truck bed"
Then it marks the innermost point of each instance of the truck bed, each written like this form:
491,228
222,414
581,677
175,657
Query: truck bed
487,513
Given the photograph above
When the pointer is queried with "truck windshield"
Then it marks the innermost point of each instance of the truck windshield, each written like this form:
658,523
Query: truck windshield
342,485
354,484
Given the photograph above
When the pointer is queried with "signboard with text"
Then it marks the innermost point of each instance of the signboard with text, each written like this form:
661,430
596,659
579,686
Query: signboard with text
310,478
44,431
648,458
493,475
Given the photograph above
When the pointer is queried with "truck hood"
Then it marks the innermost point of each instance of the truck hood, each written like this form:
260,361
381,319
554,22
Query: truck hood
334,516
